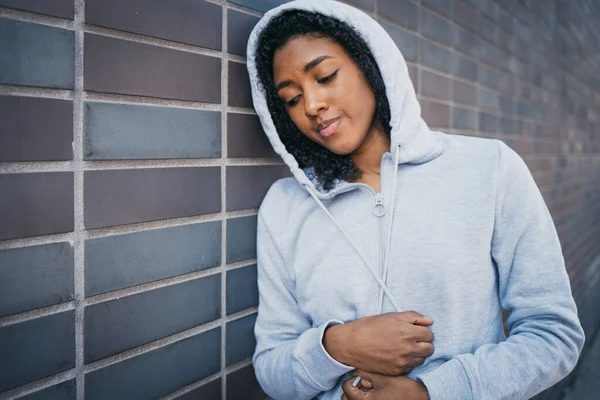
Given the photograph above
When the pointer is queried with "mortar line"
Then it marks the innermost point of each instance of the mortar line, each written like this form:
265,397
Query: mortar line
224,101
79,228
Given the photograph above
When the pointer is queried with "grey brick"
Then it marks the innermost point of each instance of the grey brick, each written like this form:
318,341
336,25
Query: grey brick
505,20
507,125
116,197
247,185
63,391
36,348
246,138
434,85
55,8
464,67
241,239
492,55
487,30
407,42
465,15
436,115
118,325
488,77
464,93
119,66
486,7
506,104
23,198
239,26
364,4
34,277
464,119
128,131
243,384
488,99
404,12
436,28
442,6
35,129
239,93
466,43
260,5
36,55
119,261
158,372
413,72
488,122
208,391
242,289
176,20
240,340
435,56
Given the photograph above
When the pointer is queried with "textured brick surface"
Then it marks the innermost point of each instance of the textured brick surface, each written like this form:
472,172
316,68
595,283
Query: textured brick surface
238,346
37,276
36,55
177,22
36,204
55,8
122,324
158,372
132,166
242,291
124,131
118,197
63,391
36,348
124,67
120,261
35,129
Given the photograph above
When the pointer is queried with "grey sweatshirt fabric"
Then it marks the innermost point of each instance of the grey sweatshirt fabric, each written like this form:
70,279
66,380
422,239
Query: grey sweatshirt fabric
464,234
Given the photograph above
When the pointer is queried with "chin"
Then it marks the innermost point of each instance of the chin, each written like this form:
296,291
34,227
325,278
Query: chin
342,147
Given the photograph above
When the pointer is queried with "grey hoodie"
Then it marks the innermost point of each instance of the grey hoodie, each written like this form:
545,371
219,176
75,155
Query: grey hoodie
464,234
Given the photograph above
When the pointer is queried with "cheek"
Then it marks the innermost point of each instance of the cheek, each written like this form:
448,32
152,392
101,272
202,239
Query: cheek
360,102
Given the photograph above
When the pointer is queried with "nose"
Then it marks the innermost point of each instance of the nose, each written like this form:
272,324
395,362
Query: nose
314,102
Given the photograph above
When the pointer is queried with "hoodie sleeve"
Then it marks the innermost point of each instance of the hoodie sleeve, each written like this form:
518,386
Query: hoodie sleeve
546,336
290,360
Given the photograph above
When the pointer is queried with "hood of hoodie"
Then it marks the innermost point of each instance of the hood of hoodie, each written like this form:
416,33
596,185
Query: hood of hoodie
416,143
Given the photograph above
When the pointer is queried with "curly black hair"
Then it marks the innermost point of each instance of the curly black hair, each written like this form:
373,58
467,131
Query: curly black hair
328,166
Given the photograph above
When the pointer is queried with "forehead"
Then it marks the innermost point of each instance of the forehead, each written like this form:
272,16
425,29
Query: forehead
299,51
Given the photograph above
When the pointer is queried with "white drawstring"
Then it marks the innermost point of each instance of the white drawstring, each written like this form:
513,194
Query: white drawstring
389,236
380,282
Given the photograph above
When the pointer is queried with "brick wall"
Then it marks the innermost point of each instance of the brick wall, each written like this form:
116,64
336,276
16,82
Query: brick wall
132,166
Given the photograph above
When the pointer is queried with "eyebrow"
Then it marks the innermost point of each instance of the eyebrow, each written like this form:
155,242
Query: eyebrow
310,65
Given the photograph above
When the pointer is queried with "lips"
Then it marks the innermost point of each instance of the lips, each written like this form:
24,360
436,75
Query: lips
328,128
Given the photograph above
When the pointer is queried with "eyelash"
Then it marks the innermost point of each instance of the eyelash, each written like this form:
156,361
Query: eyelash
327,79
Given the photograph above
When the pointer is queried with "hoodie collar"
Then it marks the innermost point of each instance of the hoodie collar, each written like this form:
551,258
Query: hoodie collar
418,144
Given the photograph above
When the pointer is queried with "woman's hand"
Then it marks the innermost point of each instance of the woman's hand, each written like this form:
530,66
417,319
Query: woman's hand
382,387
388,344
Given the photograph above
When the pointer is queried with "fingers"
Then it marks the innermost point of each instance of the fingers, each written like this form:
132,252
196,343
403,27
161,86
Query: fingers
423,349
369,379
366,384
352,392
414,318
423,334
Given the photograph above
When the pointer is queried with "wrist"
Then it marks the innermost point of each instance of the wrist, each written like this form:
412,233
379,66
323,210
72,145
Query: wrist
422,390
334,343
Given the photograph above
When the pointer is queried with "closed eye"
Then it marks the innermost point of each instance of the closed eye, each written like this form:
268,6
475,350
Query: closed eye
329,77
293,101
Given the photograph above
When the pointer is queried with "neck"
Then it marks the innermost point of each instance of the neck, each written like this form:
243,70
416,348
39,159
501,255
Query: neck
367,157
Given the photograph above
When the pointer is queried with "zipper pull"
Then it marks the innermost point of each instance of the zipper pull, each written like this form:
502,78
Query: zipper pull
379,209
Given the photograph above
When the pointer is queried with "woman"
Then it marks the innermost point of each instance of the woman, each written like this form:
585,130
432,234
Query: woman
385,262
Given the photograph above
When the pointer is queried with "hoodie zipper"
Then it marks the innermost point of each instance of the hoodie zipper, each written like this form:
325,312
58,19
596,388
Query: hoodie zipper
379,211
